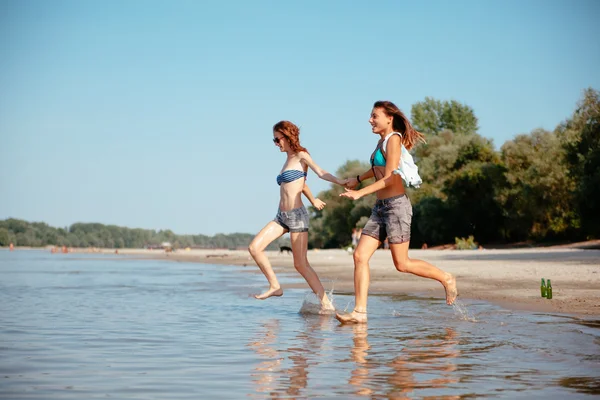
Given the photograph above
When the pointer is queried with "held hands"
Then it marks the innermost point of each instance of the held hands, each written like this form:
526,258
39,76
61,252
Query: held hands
319,204
350,183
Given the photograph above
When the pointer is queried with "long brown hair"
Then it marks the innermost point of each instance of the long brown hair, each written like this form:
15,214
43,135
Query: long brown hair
292,133
410,136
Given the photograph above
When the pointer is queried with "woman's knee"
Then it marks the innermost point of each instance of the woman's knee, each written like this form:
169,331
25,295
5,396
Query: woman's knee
360,258
300,266
253,249
402,265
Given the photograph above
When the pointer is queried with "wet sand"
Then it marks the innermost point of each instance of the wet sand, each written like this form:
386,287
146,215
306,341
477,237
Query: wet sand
510,278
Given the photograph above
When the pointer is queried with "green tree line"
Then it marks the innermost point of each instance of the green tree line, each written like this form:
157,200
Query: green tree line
541,186
38,234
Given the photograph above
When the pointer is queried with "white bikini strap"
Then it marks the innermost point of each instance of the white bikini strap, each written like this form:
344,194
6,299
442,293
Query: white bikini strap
385,140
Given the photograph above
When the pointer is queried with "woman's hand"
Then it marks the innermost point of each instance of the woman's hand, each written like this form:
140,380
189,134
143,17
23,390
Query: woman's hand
351,183
319,204
351,194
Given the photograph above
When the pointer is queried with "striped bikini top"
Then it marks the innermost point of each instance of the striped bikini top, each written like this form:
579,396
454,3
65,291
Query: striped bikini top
290,175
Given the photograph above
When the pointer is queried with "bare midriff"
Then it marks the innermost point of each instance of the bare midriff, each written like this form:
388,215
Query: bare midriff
291,195
395,189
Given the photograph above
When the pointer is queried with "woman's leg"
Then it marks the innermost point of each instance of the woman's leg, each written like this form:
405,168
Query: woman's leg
367,245
423,269
257,248
299,250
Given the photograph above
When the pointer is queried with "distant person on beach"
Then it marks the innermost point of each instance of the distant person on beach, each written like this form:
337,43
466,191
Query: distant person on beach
391,216
354,238
292,216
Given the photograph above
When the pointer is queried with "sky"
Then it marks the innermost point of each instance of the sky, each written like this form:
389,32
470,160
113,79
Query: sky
159,114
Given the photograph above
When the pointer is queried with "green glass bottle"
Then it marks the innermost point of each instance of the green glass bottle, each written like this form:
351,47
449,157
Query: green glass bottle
543,288
549,290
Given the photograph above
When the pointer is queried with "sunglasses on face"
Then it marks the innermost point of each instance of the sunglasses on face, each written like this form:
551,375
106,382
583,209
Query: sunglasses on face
277,140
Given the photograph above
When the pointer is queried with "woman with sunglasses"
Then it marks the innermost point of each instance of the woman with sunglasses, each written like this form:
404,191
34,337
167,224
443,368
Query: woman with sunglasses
391,217
292,216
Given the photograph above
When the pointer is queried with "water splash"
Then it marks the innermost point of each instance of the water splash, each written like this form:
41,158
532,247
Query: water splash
461,311
312,304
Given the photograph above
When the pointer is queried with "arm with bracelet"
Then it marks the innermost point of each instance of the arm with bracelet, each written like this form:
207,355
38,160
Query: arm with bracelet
353,182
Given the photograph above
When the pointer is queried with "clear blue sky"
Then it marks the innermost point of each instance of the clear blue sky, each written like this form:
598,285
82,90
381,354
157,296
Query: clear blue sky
158,114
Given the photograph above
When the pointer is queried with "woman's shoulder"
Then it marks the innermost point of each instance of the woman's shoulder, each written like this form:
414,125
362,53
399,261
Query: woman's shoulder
393,137
303,156
303,164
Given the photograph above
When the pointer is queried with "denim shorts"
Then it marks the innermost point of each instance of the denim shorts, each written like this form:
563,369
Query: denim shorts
295,220
390,218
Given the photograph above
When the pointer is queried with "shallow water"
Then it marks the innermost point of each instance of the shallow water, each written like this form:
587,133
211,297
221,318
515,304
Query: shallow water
83,327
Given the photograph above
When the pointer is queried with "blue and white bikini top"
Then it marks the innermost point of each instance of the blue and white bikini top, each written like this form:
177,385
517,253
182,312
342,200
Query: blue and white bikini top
290,175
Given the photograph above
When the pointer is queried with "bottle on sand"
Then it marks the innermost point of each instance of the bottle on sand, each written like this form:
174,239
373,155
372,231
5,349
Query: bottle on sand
543,288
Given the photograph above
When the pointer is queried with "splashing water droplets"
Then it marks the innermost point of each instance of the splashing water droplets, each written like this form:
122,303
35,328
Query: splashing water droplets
312,305
460,310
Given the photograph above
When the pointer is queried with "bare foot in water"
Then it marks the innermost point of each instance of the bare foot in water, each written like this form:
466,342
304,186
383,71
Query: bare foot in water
354,317
451,291
327,308
271,292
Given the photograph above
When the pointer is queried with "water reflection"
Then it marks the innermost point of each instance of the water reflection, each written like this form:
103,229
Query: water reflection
285,370
266,372
415,363
433,357
583,384
359,377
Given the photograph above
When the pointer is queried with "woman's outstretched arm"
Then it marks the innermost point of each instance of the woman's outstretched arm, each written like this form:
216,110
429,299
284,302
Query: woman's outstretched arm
351,183
304,156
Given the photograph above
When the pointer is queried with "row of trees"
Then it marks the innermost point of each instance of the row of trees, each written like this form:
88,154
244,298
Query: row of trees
37,234
541,186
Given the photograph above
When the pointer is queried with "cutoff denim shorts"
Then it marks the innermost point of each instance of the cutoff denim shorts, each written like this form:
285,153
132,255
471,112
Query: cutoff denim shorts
295,220
390,218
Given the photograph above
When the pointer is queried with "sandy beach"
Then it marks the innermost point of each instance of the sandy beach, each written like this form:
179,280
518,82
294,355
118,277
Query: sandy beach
510,278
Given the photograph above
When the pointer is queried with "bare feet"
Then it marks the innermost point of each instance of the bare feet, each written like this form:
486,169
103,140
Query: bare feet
327,308
451,291
355,317
277,292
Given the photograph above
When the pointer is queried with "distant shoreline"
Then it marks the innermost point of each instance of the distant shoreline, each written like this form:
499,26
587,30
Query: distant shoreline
510,278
